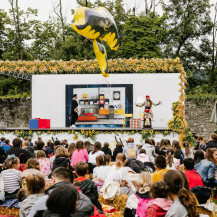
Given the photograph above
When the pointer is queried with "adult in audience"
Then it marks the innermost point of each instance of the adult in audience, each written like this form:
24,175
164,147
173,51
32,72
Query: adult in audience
212,141
130,149
29,150
198,156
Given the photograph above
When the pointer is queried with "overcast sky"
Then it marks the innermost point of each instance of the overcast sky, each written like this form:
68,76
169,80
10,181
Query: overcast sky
45,7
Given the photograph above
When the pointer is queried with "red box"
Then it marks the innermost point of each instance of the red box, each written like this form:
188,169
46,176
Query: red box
43,123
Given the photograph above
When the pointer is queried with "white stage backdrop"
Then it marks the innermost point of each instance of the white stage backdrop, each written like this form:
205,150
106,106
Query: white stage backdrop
49,94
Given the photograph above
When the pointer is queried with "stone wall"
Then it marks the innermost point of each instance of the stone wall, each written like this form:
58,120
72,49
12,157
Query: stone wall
15,112
198,116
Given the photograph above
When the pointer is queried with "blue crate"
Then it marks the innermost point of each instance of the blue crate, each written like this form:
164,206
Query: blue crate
33,124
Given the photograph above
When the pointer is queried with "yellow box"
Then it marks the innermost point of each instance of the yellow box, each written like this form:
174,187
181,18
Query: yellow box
103,111
119,111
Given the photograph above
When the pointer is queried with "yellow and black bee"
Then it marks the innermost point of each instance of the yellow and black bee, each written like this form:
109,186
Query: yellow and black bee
97,25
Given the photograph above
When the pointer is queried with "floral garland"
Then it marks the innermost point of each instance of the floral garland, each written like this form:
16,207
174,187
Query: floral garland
86,134
91,66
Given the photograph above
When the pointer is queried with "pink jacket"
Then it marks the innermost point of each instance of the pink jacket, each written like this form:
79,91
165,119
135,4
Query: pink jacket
79,155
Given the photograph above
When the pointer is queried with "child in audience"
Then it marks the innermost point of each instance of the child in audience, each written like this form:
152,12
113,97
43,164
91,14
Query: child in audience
45,163
184,204
106,149
137,202
96,152
35,188
194,178
86,185
198,156
207,167
178,152
159,206
11,176
71,149
79,154
187,151
172,162
160,164
143,157
118,149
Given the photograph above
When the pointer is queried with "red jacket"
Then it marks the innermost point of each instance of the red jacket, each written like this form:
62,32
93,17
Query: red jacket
194,178
155,211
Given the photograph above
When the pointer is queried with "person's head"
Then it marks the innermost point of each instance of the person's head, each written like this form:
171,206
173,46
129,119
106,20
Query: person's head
62,174
174,180
148,141
167,143
12,162
160,162
56,142
163,151
213,137
97,147
103,160
187,148
175,144
211,155
142,151
106,145
81,168
170,155
63,200
32,163
17,143
75,96
41,154
119,144
40,139
61,152
35,183
79,145
152,141
26,144
3,139
199,138
121,160
7,141
71,149
87,145
130,140
198,156
145,181
189,164
40,145
159,190
147,97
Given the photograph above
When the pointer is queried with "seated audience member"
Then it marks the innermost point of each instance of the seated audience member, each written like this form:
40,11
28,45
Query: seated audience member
17,151
88,146
130,149
29,150
79,154
198,156
63,202
106,149
11,176
71,149
194,178
55,148
188,153
157,148
207,167
143,157
6,145
184,204
32,167
212,141
50,149
163,151
150,149
39,146
201,144
118,149
62,177
45,163
137,202
178,152
2,155
34,191
166,143
61,159
102,168
160,204
172,162
96,152
86,185
160,164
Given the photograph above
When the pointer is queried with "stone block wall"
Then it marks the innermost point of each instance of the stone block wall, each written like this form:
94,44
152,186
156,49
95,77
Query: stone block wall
15,112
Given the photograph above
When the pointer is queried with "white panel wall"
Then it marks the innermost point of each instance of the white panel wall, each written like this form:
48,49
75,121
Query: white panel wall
48,93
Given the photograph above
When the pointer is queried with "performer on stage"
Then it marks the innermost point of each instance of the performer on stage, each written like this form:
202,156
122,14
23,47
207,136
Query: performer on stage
74,110
148,114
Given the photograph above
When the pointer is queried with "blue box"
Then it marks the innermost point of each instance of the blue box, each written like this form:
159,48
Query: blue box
33,123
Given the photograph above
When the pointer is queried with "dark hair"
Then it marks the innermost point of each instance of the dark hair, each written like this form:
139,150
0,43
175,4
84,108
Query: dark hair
103,160
152,141
160,162
198,156
209,154
167,143
63,174
17,143
97,147
41,154
79,145
74,95
106,145
57,142
189,163
175,144
7,141
159,190
187,149
40,145
119,144
142,151
3,139
170,152
213,136
32,163
175,182
148,141
199,138
81,168
163,151
62,200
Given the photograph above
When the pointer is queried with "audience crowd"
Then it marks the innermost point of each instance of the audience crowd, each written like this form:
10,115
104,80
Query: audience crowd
58,179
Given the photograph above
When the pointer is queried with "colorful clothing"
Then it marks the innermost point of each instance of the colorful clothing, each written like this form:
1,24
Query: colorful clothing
158,176
79,155
45,166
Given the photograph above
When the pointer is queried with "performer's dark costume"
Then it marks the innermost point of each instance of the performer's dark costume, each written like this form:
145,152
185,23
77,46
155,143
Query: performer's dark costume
73,113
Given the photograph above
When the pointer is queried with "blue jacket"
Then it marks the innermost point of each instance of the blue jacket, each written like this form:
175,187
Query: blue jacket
206,169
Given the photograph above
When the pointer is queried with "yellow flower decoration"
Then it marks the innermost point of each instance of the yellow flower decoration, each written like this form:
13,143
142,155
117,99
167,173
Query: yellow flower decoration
16,131
151,131
69,132
82,131
30,131
144,131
